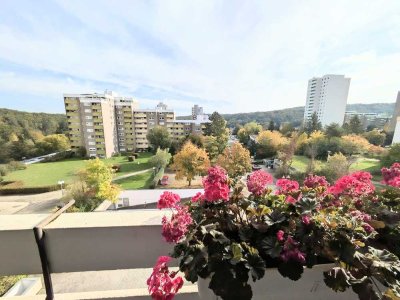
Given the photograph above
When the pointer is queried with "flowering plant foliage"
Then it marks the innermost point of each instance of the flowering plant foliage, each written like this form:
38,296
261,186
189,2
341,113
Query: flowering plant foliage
233,239
391,176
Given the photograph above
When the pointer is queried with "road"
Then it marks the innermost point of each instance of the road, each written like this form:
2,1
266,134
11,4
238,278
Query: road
29,204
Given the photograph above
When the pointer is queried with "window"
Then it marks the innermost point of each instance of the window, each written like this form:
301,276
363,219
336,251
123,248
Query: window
86,104
88,117
88,110
121,139
120,128
121,134
91,143
120,123
89,123
89,130
92,149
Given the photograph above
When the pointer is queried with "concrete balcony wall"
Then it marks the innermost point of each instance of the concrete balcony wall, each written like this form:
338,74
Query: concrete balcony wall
83,242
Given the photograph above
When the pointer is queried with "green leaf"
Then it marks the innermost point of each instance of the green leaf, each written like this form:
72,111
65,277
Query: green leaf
236,253
337,279
291,270
245,233
270,246
307,205
256,265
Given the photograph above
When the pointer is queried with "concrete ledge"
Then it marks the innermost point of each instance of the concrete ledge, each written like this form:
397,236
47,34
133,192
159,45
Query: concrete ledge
18,249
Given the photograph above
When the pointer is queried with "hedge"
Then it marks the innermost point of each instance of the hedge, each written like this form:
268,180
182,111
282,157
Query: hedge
4,190
157,178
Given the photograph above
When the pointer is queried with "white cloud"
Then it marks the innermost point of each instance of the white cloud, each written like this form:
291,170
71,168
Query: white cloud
240,56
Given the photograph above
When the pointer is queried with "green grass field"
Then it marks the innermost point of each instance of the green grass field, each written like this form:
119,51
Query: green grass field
300,163
42,174
136,182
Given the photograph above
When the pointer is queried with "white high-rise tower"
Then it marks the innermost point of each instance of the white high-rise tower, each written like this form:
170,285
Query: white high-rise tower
327,97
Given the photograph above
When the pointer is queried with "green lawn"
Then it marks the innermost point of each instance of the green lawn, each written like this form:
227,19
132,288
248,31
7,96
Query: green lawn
136,182
300,163
369,165
42,174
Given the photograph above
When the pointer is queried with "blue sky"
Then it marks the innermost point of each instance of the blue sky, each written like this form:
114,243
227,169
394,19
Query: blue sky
230,56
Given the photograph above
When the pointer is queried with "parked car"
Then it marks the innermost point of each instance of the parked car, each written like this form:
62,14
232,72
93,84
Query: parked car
164,180
256,167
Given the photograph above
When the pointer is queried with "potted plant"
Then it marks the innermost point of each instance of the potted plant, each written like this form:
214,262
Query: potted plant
237,236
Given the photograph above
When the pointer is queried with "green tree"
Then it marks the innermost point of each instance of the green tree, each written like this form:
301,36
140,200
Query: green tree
336,166
217,128
287,128
235,160
334,130
211,147
355,126
159,137
251,128
375,137
52,143
313,124
271,126
161,159
392,156
96,182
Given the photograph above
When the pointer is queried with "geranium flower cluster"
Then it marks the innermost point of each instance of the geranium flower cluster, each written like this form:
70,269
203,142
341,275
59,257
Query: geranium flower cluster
286,186
163,284
168,200
355,185
216,185
173,230
257,182
391,176
291,251
314,181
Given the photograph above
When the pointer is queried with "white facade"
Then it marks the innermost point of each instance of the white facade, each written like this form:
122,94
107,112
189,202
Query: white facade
396,136
327,97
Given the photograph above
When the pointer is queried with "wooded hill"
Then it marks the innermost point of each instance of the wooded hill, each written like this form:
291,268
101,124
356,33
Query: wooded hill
21,125
295,114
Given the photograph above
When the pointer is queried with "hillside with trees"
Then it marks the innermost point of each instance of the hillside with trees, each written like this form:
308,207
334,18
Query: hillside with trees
27,125
295,115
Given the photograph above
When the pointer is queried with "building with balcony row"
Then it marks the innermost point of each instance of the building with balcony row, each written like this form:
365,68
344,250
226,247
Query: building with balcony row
106,123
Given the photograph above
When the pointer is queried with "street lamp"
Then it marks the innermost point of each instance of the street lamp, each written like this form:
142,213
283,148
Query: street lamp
61,183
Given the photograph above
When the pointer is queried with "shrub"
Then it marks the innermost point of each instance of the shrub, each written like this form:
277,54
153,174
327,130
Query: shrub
16,165
157,178
3,170
7,190
131,158
116,168
392,156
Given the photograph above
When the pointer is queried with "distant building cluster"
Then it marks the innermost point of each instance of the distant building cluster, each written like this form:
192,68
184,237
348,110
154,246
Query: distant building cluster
105,124
368,120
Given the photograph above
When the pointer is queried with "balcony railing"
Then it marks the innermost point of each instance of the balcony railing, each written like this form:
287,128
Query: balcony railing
80,242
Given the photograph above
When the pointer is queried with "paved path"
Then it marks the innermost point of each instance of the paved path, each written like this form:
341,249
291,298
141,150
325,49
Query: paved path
131,174
30,204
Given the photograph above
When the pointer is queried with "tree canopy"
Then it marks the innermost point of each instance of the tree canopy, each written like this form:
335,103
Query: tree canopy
159,137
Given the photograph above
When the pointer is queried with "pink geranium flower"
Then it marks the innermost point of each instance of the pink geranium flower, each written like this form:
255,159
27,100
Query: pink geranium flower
286,186
173,230
162,284
168,200
257,182
356,185
216,185
291,251
391,176
314,181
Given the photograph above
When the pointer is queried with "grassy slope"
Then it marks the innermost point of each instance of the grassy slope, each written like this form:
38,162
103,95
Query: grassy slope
140,181
300,163
49,173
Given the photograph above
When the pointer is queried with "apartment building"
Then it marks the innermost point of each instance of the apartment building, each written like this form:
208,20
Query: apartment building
396,135
91,123
105,124
146,119
327,97
196,111
396,114
124,108
368,119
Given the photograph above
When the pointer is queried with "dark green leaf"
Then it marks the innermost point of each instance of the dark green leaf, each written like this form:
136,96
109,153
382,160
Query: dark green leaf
291,269
337,279
270,246
256,265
